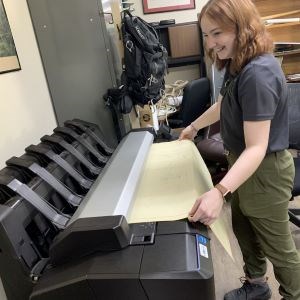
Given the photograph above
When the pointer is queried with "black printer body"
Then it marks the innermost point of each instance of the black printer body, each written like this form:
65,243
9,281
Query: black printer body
51,248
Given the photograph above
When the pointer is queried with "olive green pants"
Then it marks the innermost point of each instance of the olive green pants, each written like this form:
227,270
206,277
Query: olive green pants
261,223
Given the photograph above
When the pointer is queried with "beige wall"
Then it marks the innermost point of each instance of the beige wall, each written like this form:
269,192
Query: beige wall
25,107
26,111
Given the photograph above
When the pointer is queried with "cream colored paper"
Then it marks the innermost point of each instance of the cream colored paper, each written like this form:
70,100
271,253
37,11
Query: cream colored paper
174,176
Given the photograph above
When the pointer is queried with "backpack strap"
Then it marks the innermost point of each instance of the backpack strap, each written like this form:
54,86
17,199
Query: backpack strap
149,27
133,32
127,12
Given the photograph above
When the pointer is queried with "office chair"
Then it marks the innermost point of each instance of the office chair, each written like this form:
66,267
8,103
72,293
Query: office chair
212,151
294,141
211,146
196,99
294,213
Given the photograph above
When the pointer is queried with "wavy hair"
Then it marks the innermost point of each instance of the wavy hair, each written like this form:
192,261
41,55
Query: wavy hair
241,16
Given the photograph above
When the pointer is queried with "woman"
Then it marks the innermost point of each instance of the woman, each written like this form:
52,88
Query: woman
253,113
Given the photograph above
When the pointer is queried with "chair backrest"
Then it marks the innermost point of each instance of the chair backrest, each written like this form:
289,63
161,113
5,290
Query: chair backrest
294,114
294,129
296,188
196,98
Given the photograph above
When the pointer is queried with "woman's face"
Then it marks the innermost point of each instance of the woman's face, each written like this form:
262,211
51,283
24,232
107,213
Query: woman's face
220,41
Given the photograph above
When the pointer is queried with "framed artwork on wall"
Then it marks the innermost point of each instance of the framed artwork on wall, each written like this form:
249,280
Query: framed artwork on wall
157,6
9,60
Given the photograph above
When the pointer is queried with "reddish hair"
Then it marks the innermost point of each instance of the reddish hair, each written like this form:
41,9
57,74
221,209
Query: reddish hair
241,16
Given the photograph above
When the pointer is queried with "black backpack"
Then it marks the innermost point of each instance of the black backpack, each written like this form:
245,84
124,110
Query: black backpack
145,60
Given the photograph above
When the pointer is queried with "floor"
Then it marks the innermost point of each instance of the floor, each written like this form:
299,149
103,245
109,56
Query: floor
227,272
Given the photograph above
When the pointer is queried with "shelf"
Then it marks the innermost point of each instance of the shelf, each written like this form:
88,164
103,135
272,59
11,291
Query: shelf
290,14
291,24
183,42
276,9
286,34
172,25
184,61
287,52
290,81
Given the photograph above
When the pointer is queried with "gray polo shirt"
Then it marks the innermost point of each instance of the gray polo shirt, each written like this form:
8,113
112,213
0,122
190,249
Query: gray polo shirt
257,93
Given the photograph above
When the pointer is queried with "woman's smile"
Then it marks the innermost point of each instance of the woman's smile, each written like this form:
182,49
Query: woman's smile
220,40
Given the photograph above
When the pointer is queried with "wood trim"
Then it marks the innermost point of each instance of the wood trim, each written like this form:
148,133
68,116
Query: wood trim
271,7
291,64
281,25
287,52
293,13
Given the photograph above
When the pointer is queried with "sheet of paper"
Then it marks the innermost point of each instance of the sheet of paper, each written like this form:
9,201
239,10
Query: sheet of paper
174,176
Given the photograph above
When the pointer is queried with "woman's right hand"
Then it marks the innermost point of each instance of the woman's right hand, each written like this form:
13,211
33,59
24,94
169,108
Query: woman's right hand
188,133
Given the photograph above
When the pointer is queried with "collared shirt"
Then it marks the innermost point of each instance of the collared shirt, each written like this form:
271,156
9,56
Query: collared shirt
257,93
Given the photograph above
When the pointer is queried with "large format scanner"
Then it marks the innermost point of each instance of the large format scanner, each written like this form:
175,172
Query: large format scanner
95,253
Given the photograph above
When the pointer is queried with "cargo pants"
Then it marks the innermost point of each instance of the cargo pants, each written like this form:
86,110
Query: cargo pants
261,223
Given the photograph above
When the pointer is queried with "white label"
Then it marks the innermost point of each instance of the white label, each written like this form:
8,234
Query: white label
203,250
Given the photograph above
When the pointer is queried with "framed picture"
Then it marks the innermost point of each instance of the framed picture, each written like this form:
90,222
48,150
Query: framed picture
9,60
157,6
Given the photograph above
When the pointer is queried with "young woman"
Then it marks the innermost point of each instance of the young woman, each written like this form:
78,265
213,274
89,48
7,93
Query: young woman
253,113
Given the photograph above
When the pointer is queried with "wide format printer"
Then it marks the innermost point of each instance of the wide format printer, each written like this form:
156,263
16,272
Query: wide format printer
64,231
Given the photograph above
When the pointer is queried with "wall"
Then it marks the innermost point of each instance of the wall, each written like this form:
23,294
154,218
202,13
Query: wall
25,106
181,16
26,111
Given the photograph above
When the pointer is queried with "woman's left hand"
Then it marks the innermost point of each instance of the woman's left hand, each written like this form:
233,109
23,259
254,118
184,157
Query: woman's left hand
207,207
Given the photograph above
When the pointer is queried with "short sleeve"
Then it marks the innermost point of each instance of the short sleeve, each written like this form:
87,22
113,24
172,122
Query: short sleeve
259,91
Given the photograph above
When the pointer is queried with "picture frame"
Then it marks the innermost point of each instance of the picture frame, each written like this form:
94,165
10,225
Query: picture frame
9,60
157,6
